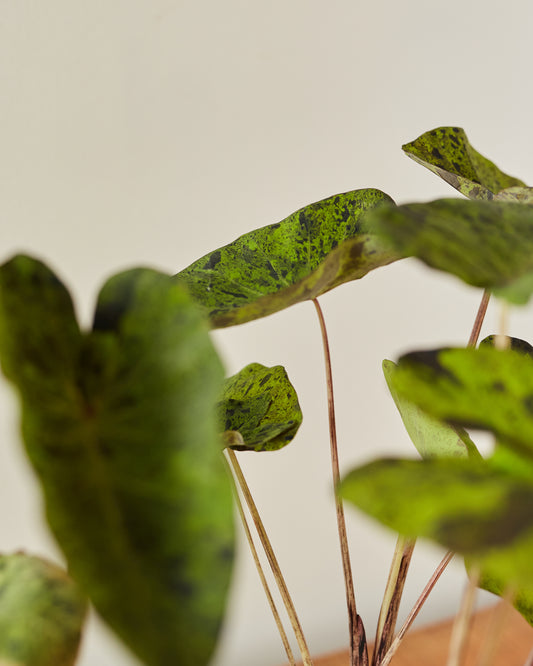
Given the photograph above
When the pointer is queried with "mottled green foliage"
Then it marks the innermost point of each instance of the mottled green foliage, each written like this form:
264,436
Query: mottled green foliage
261,404
516,344
522,195
431,437
120,427
447,152
481,388
312,251
466,506
485,243
42,613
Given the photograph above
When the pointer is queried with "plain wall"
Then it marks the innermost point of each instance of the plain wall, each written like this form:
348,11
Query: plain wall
149,132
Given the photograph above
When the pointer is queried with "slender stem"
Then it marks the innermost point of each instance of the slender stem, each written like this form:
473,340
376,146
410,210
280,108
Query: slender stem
416,609
495,629
463,621
272,560
392,597
501,340
262,577
480,316
358,648
383,638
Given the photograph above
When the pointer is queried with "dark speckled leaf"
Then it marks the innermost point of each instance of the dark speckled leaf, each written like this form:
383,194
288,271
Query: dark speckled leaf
482,388
261,404
431,437
487,244
119,425
42,613
464,505
447,152
312,251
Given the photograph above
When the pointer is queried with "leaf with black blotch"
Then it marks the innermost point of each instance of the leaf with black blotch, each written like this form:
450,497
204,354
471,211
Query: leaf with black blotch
119,424
516,344
261,404
310,252
447,152
42,612
432,438
483,388
486,244
464,505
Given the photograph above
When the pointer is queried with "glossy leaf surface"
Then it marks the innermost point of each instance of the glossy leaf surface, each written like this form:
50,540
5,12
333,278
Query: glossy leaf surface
431,437
448,153
486,244
312,251
261,404
42,613
466,506
120,427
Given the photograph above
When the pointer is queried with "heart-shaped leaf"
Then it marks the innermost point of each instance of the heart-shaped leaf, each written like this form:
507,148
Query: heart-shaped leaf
487,244
312,251
41,615
432,438
120,427
261,404
464,505
447,152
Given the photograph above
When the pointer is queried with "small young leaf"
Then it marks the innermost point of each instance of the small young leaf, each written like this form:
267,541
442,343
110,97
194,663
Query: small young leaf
482,388
312,251
261,404
432,438
41,615
120,427
463,505
486,244
447,152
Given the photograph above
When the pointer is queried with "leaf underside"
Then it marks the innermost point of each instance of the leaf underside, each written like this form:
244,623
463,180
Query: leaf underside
261,404
312,251
486,244
447,152
432,438
120,427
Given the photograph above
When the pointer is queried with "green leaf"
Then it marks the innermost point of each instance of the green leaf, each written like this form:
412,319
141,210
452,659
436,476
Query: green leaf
312,251
447,152
516,344
486,244
523,598
261,404
41,615
119,425
482,388
432,438
466,506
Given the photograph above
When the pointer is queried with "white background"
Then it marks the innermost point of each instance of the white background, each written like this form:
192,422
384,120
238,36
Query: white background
149,132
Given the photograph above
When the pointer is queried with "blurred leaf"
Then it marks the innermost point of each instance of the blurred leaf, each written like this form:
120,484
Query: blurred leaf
432,438
261,404
41,615
516,344
482,388
120,427
486,244
466,506
447,152
522,195
523,599
312,251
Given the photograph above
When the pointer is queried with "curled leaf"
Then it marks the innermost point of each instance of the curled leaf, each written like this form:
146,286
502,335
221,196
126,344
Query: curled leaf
261,405
447,152
312,251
